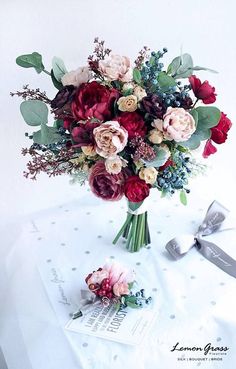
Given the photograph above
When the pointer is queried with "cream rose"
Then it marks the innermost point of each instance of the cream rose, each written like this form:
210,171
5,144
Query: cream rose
113,165
116,68
88,150
149,175
110,139
155,136
139,92
127,103
76,77
177,124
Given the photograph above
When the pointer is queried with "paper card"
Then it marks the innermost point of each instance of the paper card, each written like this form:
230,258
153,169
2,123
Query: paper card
128,326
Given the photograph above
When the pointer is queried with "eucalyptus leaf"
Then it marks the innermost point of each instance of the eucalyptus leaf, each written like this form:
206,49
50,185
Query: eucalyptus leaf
58,68
208,117
194,114
33,60
181,66
165,81
183,197
55,82
137,75
196,138
203,68
58,123
161,157
34,112
46,135
132,305
192,143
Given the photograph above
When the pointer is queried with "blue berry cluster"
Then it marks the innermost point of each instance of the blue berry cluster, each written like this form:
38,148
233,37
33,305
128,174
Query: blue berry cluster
175,177
152,68
139,299
54,147
175,98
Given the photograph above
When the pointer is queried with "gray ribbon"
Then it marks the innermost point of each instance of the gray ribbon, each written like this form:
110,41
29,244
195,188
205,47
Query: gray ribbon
88,302
214,218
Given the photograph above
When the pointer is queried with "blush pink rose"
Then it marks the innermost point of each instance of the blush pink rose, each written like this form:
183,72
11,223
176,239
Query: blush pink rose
116,68
118,273
110,138
177,124
120,289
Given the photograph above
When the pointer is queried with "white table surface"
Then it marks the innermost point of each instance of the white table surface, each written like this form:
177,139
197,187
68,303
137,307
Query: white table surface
195,301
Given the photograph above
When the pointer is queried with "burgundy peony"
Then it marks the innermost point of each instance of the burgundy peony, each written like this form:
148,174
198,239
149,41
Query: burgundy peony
104,185
93,100
219,135
203,90
136,189
133,123
83,134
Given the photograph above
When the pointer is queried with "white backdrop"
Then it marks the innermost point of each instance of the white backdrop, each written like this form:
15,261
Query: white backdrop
204,28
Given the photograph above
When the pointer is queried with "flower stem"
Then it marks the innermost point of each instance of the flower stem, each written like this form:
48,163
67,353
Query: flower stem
45,71
136,231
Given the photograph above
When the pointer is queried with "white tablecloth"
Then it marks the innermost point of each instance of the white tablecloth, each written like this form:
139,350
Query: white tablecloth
195,301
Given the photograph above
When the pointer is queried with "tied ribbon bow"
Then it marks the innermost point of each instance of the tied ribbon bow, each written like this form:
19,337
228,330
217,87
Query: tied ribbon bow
215,216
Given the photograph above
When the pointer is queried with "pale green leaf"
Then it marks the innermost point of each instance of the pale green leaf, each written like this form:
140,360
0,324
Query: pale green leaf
183,197
58,68
33,60
34,112
46,135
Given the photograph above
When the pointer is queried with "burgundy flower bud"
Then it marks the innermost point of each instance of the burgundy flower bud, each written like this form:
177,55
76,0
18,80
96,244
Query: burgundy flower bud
63,97
153,105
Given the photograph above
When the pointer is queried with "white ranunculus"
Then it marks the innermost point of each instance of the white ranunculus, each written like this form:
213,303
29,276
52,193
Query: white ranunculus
76,77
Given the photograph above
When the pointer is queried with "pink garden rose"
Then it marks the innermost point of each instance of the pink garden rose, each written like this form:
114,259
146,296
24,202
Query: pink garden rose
116,68
105,185
118,273
110,138
177,124
97,277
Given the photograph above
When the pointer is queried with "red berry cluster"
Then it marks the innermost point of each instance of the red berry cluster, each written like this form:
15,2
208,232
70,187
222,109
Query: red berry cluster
103,290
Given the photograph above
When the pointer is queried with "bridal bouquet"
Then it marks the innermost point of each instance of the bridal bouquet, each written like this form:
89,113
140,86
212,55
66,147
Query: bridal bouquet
125,127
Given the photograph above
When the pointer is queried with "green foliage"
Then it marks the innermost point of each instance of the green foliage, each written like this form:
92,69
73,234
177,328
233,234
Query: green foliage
137,76
58,123
160,159
183,197
55,82
206,118
34,112
58,68
182,67
33,60
130,300
165,81
46,135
